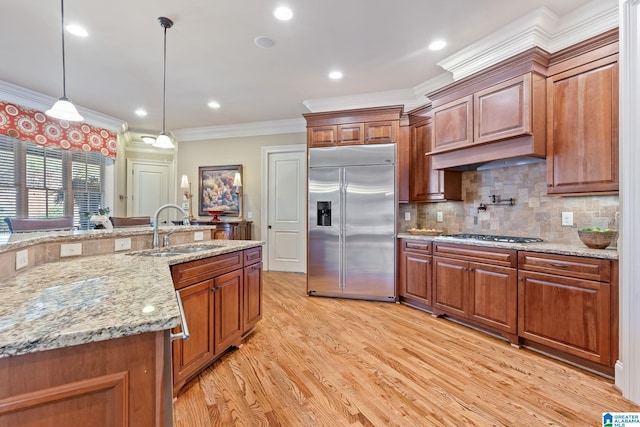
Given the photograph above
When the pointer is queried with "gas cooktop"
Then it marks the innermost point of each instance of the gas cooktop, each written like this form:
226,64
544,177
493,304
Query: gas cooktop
493,238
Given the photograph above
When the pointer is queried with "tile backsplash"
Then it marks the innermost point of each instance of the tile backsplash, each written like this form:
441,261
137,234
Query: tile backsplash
533,214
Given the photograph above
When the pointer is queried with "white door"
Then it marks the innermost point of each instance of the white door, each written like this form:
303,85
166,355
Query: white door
148,186
286,212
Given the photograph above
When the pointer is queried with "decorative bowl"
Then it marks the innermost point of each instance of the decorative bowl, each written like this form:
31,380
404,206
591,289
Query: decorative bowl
597,239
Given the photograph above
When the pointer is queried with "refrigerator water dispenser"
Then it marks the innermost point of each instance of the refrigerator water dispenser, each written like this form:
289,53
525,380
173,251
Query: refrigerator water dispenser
324,214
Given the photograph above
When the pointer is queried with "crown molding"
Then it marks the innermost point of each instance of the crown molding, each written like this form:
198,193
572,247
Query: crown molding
274,127
540,28
365,100
37,101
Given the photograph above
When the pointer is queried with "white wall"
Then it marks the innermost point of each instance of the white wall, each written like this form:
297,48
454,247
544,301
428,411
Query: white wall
245,151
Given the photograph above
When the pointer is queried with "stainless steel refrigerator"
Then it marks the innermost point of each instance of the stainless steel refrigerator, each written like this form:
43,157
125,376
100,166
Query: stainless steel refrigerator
352,220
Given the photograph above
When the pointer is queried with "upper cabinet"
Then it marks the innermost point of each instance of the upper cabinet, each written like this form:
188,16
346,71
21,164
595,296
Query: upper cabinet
582,116
495,114
425,183
363,126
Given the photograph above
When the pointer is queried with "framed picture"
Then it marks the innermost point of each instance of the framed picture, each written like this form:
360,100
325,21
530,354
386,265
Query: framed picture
217,192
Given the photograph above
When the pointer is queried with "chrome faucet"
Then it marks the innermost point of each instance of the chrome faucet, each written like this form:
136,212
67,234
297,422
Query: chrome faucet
156,237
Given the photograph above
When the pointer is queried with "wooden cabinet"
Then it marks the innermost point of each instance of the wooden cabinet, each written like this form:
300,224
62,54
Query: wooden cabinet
582,132
189,356
453,124
476,284
112,383
232,230
425,183
569,304
504,110
228,310
495,114
402,160
414,273
375,125
222,300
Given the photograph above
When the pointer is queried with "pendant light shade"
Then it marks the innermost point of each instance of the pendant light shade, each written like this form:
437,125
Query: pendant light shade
163,140
63,109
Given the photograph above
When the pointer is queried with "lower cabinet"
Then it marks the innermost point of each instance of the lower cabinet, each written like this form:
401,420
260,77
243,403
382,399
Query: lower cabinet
219,309
565,306
568,303
478,285
117,382
414,274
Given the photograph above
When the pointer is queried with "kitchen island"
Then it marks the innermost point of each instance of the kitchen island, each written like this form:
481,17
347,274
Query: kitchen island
86,340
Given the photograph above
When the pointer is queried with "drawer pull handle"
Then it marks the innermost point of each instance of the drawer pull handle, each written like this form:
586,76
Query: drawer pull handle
184,335
555,264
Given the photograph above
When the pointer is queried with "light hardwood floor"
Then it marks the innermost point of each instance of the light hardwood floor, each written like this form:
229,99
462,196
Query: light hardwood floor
316,361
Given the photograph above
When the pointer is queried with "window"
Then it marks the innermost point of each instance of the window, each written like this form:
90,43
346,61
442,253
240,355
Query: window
47,182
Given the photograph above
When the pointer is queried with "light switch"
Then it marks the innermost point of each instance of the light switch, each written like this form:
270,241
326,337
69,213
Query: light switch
123,244
407,216
22,259
567,219
439,217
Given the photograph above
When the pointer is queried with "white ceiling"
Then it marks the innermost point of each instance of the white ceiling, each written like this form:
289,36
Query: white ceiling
378,45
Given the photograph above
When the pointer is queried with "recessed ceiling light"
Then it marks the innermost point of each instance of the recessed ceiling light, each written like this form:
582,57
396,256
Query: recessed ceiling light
148,139
77,30
264,42
213,104
283,13
437,45
335,75
140,112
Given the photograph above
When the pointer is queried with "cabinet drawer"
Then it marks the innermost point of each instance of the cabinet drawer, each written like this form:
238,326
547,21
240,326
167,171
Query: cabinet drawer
578,267
202,269
253,255
416,246
494,256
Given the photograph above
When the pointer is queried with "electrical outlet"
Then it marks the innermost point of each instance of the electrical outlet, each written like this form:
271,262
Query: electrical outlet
567,219
22,259
122,244
407,216
198,235
70,249
439,217
249,215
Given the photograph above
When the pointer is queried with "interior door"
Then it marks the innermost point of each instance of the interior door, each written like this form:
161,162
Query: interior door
148,185
287,216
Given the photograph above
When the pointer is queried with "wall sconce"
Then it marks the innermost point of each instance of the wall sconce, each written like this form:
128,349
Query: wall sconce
186,186
237,182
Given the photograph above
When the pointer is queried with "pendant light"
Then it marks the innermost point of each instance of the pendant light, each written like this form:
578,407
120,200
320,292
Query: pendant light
163,140
63,109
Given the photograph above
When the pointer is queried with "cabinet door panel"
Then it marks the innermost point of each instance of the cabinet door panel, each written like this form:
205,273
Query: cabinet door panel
381,132
503,110
453,125
494,296
192,354
252,299
228,301
450,279
418,277
571,315
322,136
351,134
582,133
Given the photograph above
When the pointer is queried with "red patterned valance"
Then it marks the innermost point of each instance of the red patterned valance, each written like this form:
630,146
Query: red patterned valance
34,126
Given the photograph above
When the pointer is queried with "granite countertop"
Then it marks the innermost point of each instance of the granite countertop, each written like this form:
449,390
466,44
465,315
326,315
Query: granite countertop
19,240
543,247
94,298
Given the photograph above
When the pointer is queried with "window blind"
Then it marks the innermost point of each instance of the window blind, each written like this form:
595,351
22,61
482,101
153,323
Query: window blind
47,182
